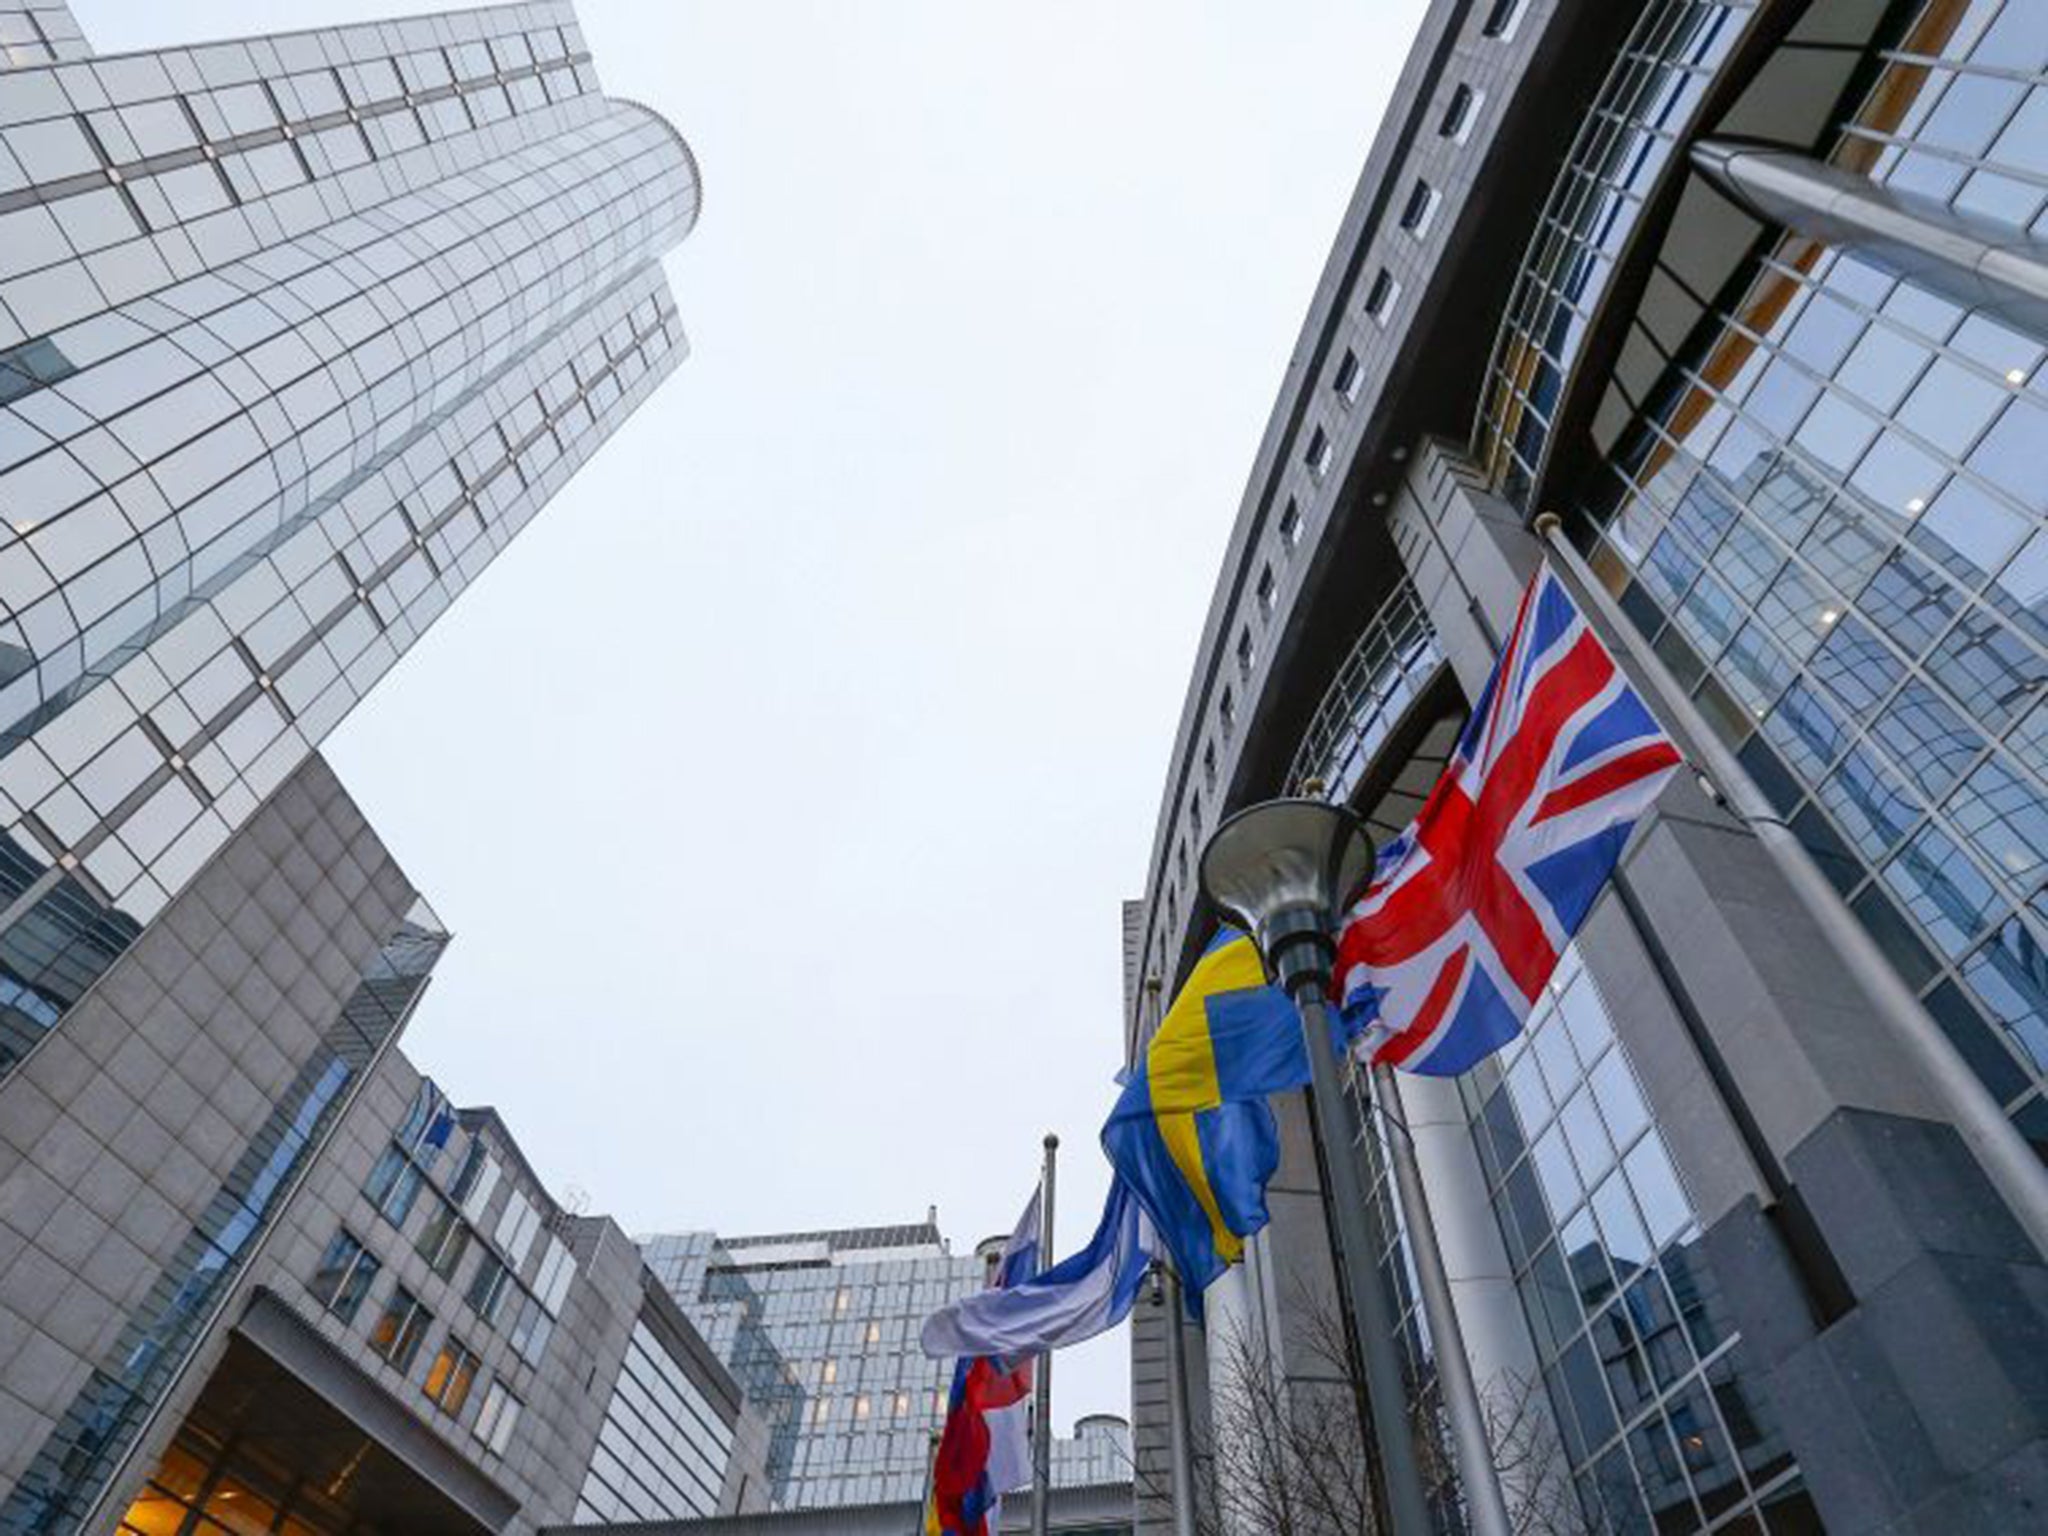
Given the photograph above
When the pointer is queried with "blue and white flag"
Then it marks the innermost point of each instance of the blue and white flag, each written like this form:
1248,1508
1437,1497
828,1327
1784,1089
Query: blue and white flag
1009,1425
1076,1299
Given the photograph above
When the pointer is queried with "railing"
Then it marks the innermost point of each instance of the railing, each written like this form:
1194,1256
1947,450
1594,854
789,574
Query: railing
1389,665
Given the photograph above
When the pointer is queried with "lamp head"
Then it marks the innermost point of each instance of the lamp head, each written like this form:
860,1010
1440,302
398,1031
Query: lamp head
1279,870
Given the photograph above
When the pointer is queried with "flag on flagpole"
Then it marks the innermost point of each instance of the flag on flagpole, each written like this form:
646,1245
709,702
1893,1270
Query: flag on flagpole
1469,909
1085,1294
1009,1424
985,1449
1191,1132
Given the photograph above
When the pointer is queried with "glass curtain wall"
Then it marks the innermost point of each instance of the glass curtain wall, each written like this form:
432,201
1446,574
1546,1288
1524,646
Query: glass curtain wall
1833,524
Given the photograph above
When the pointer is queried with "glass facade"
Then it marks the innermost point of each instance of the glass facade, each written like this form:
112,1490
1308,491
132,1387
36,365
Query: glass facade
1831,525
1392,661
39,32
211,1485
1636,1354
295,334
827,1323
111,1408
1634,129
662,1449
1826,514
1099,1453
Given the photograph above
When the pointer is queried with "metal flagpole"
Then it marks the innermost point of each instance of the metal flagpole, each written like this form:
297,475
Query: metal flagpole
1041,1396
1486,1508
928,1519
2001,1151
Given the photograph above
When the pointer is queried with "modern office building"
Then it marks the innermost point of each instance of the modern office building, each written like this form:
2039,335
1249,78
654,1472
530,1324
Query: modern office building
821,1330
1750,295
296,333
1098,1455
257,1270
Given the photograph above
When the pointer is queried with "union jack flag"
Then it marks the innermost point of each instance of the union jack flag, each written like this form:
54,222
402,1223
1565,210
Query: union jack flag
1468,910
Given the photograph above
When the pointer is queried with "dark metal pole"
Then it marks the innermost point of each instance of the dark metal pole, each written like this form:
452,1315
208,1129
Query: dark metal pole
1041,1396
1386,1383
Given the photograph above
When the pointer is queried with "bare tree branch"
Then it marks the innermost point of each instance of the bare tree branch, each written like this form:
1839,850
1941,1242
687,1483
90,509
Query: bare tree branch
1287,1456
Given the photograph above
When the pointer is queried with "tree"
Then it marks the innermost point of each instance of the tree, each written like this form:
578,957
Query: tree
1285,1454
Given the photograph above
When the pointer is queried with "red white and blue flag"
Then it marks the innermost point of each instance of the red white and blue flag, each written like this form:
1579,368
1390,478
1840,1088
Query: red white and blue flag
1468,911
985,1448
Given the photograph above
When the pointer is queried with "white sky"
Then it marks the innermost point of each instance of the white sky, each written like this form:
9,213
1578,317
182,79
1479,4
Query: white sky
782,781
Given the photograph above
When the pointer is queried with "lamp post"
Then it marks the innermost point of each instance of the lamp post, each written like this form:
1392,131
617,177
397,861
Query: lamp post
1180,1435
1279,870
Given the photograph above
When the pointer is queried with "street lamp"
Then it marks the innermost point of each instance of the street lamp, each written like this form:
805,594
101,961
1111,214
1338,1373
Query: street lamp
1279,871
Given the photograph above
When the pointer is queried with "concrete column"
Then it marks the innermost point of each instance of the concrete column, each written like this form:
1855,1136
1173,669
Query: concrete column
1151,1454
1482,1282
1466,554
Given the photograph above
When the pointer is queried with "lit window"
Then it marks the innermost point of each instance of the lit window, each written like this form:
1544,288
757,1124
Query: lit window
861,1406
1458,114
821,1410
344,1275
1318,452
1265,592
1349,375
400,1328
901,1406
449,1377
1420,208
874,1334
1379,300
843,1300
1290,524
1502,19
828,1372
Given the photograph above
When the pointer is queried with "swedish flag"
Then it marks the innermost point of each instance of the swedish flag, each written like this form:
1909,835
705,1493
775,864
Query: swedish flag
1192,1133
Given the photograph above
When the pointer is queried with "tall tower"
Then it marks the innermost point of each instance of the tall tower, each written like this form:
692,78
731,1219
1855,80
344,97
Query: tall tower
296,333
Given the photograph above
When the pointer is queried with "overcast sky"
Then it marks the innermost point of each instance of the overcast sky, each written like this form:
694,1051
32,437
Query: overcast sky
782,781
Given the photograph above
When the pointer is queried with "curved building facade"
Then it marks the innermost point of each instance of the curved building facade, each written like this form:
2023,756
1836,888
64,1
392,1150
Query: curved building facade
1751,296
296,333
